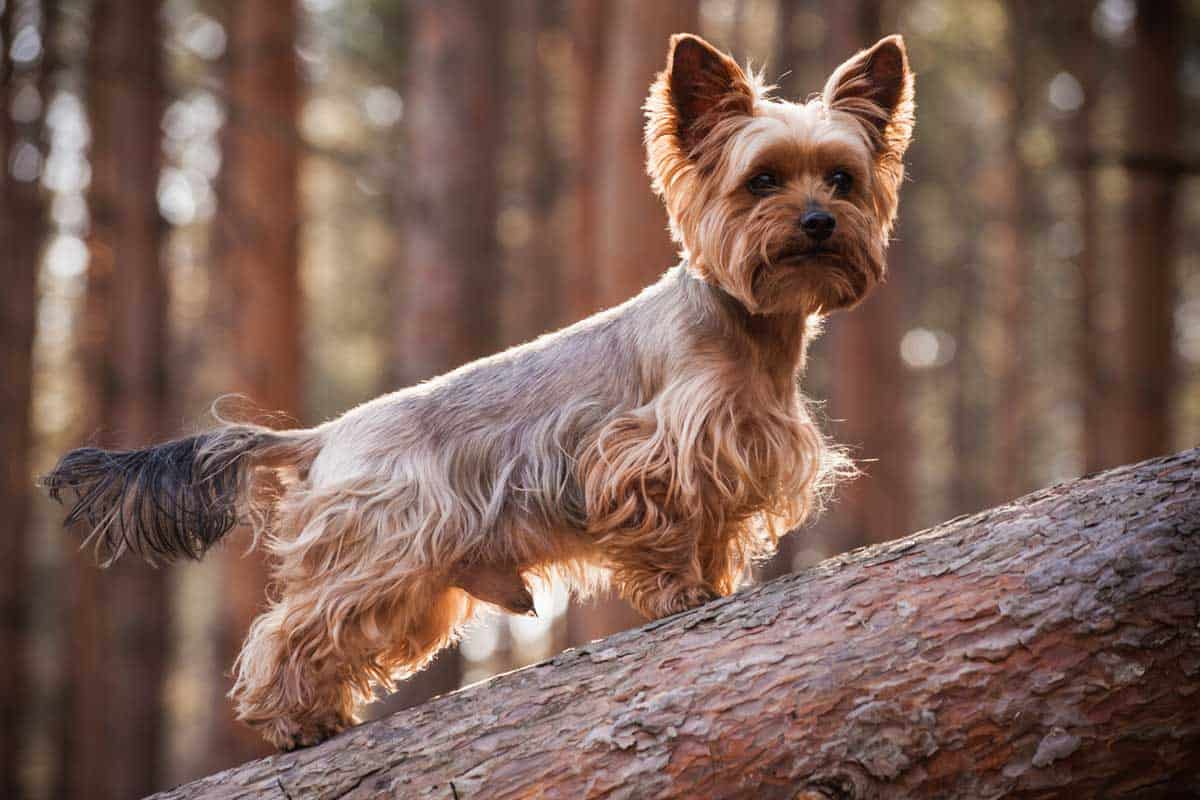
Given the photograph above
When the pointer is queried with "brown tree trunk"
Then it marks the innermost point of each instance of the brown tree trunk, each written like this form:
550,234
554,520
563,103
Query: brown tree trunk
633,246
1013,412
534,298
118,644
868,391
22,227
257,252
1046,648
967,490
1094,371
589,24
628,238
785,62
449,309
1153,133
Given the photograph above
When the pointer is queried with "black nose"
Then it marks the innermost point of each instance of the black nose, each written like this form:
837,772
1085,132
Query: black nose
818,224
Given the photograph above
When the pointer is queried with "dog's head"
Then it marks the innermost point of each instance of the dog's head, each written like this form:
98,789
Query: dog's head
786,206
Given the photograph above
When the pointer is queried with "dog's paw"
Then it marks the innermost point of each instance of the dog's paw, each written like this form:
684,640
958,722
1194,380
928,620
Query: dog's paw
677,599
288,734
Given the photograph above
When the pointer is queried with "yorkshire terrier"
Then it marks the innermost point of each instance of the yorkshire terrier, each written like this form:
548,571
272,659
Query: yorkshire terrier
662,445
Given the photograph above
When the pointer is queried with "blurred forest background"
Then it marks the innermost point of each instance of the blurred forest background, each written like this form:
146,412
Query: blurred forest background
312,204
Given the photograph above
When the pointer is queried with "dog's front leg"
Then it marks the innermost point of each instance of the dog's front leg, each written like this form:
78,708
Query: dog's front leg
663,577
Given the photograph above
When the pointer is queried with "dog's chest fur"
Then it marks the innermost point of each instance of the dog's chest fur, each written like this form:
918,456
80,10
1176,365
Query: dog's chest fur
722,442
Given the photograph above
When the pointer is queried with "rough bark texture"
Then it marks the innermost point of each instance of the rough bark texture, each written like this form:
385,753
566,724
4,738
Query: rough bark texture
1043,647
257,247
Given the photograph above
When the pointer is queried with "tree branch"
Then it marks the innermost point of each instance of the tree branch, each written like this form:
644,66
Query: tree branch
1048,646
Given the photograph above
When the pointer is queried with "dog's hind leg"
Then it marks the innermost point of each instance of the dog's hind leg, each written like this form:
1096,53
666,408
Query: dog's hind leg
363,598
312,660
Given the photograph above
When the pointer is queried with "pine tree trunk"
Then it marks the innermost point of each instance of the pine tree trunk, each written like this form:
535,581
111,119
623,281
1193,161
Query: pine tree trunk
633,246
868,391
257,252
1013,413
534,299
589,23
448,310
22,227
1046,648
1153,132
449,307
115,732
629,230
785,61
1095,380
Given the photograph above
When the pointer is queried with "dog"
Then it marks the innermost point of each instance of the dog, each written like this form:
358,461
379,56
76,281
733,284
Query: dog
662,445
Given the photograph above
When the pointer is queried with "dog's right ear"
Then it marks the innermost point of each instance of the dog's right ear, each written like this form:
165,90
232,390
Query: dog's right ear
705,86
700,88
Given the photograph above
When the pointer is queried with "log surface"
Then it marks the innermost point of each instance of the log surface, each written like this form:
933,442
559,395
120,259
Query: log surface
1045,647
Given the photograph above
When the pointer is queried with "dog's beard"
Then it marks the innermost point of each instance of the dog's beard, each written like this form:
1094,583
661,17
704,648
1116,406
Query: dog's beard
761,258
807,277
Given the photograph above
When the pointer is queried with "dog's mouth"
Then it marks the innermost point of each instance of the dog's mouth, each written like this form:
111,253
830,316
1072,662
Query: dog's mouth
838,279
793,256
799,256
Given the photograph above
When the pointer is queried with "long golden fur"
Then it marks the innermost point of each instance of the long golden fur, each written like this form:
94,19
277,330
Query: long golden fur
662,445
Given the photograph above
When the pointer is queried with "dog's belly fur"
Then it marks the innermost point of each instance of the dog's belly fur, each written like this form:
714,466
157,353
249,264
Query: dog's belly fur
515,462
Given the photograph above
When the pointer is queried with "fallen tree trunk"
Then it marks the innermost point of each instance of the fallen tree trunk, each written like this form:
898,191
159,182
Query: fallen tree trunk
1048,646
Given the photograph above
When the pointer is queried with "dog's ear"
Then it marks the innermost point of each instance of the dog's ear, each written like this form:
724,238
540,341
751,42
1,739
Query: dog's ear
876,86
703,86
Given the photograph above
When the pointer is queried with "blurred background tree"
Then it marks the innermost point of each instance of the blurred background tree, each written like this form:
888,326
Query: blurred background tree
310,204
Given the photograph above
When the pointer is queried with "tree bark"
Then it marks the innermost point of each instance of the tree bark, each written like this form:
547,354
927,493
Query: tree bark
256,247
1147,283
1014,413
868,387
22,228
447,312
534,299
633,246
1096,385
1043,647
589,22
628,239
116,653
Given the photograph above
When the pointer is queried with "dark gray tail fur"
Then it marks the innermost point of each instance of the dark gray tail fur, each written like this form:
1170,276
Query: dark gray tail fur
171,500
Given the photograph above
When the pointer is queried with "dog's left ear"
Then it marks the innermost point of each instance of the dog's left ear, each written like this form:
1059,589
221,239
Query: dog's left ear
876,86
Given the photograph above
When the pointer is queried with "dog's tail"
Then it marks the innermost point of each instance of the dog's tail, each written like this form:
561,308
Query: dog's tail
179,498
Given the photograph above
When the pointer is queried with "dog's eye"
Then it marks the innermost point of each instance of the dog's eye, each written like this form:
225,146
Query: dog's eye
763,183
840,180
